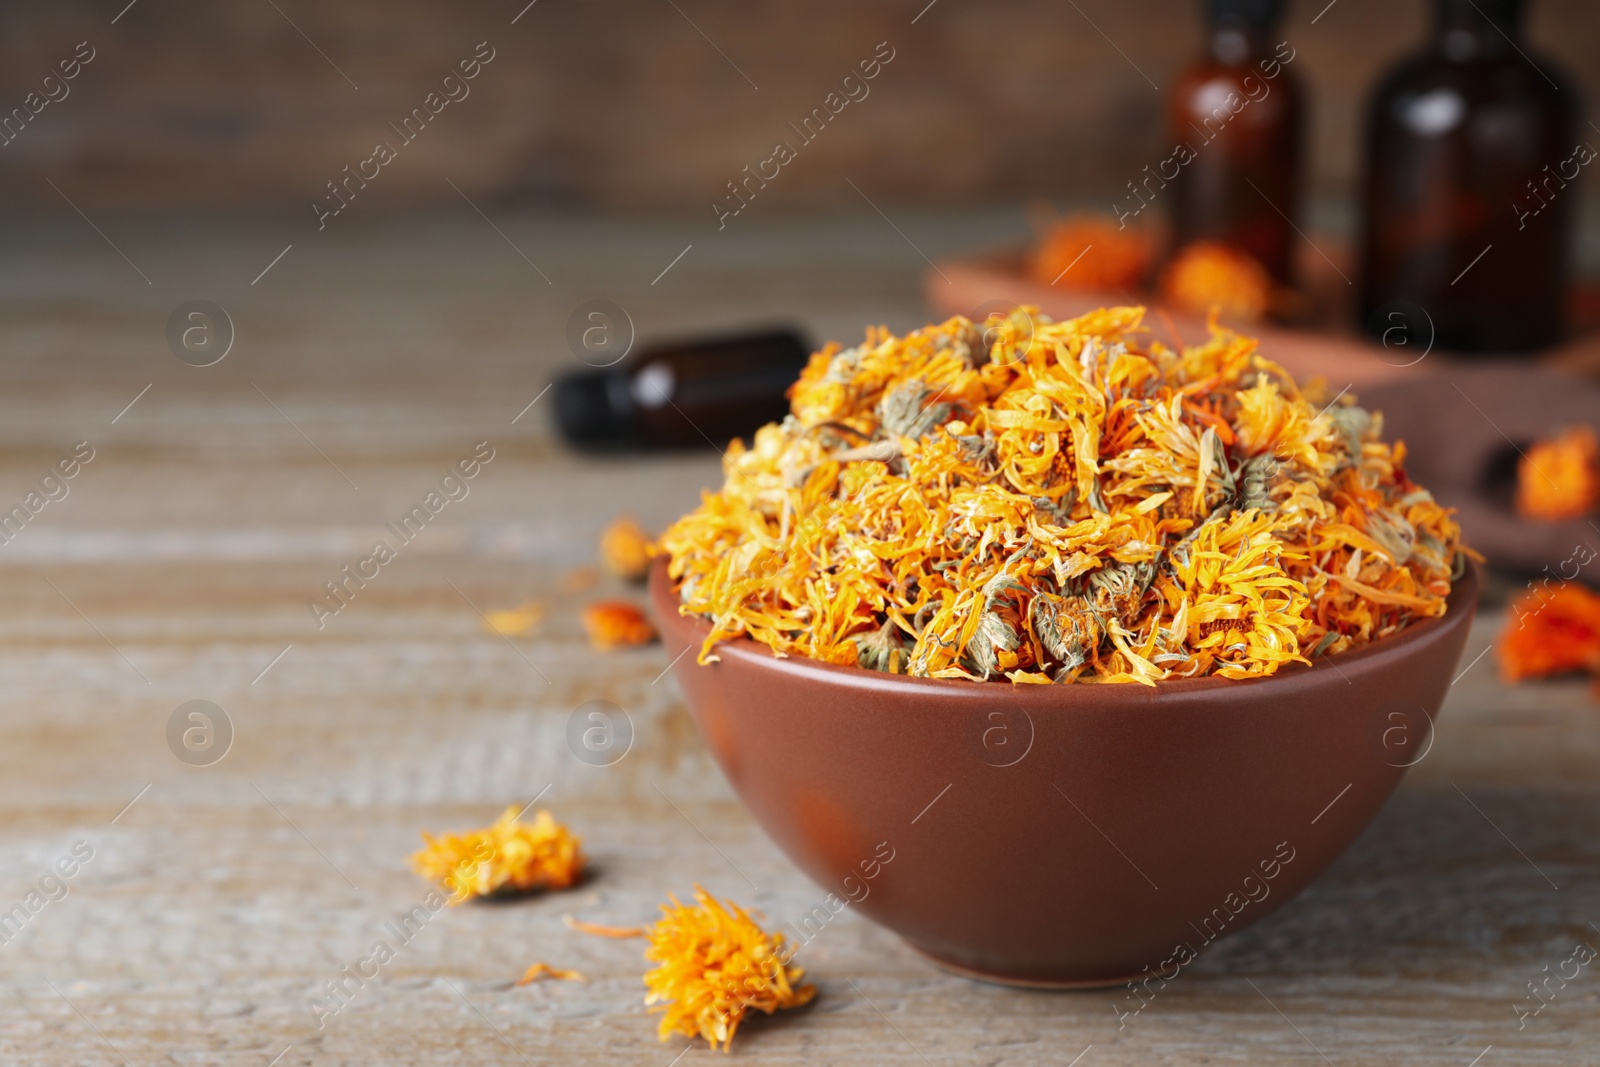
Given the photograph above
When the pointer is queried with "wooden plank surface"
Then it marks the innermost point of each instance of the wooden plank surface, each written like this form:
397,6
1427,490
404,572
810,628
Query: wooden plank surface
225,897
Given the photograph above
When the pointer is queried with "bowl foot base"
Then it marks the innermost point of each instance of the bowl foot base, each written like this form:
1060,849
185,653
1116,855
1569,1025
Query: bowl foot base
1022,983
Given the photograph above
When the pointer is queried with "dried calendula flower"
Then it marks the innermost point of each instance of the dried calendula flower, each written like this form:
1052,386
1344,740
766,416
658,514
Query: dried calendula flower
1056,502
1560,478
1207,275
626,550
509,857
1551,630
514,622
1091,252
544,970
714,966
617,624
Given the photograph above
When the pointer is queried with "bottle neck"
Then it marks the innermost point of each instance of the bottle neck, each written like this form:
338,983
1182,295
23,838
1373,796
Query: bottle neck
1475,29
1235,45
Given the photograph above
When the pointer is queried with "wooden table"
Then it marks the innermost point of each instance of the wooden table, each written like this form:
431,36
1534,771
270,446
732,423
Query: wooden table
220,899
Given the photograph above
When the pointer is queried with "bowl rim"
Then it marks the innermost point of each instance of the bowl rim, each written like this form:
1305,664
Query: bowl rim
663,593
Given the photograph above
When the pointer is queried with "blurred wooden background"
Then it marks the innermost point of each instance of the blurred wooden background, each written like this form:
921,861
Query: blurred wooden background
252,106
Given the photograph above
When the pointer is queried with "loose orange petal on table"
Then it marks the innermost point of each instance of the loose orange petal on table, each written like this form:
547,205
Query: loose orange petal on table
599,930
626,550
617,624
514,622
544,970
1560,478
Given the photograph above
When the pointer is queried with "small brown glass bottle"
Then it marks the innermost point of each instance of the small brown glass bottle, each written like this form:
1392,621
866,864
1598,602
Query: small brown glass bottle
1235,117
1470,149
688,394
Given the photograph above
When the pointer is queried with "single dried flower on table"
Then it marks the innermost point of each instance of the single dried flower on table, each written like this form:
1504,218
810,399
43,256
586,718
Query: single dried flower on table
714,967
626,550
509,857
1057,502
1207,275
1093,253
1555,630
617,624
1559,479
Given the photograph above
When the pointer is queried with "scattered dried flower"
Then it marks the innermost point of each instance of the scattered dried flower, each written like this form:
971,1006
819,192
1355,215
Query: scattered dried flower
1091,252
1206,275
514,622
626,550
617,624
544,970
1560,478
508,857
715,966
1553,630
1065,502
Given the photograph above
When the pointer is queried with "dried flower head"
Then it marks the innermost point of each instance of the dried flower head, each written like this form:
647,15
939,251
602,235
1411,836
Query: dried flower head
1207,275
508,857
1554,629
617,624
1064,501
1560,478
626,550
714,966
1091,252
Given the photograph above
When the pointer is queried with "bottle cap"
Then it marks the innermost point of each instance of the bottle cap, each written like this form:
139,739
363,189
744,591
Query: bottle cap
1249,14
593,408
1503,13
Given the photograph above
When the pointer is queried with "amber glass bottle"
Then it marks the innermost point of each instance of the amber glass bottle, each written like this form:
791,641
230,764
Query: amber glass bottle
1465,234
1235,117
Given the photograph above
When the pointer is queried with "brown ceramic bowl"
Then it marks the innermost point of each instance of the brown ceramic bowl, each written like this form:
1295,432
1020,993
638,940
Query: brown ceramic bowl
1068,834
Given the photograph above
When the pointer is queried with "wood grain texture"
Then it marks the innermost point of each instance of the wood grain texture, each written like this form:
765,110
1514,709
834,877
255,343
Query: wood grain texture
633,103
226,896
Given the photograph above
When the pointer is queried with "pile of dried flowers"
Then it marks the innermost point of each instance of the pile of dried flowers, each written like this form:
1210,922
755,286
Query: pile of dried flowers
1062,501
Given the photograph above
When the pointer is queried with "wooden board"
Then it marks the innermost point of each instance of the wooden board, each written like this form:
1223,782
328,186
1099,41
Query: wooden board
226,897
